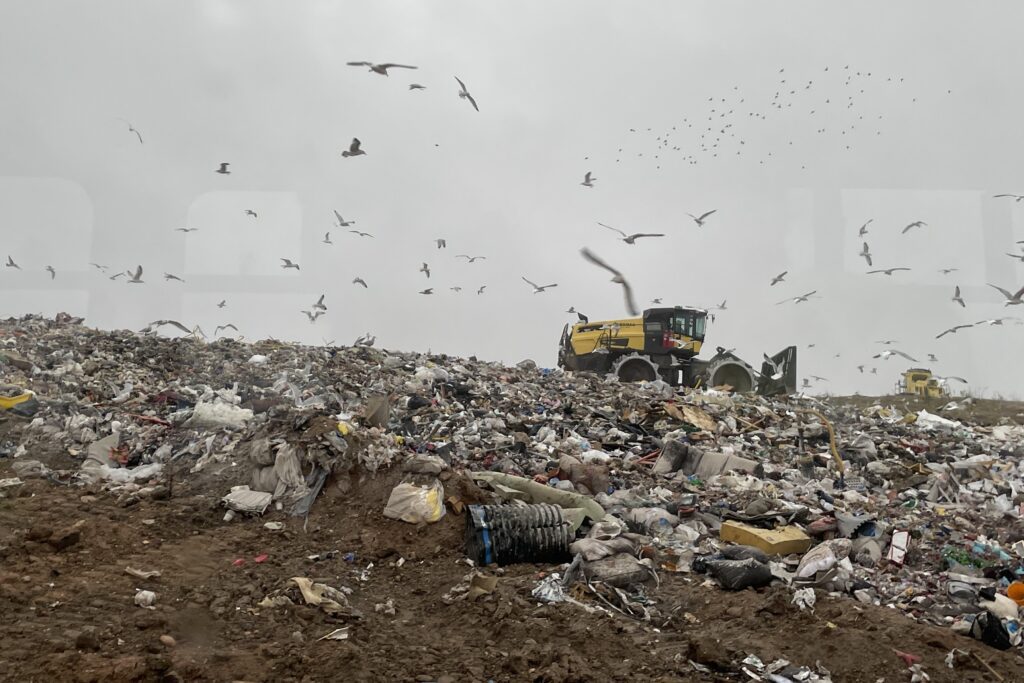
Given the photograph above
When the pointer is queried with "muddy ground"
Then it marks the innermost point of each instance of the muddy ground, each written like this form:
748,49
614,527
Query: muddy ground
68,610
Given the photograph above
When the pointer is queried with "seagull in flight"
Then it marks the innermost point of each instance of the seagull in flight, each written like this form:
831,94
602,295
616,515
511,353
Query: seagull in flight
631,239
957,298
470,259
441,244
932,358
952,330
1016,197
223,303
136,277
943,380
229,326
947,271
481,290
170,276
327,238
250,212
381,69
861,368
1019,257
1011,299
617,278
866,253
186,230
699,220
888,342
131,129
572,309
798,299
455,289
463,93
51,271
814,377
425,269
887,354
779,278
160,323
11,264
223,170
313,316
656,301
428,291
887,271
536,288
417,86
319,305
98,267
915,224
721,306
342,223
361,234
994,321
588,180
354,149
286,263
864,228
117,275
360,281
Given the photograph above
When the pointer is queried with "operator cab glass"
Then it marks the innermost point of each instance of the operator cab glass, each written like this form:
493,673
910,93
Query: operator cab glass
689,323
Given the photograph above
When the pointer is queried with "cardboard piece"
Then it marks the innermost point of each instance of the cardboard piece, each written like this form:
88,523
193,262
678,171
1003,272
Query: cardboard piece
783,540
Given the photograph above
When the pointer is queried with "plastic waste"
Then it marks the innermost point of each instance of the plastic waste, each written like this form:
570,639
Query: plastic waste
416,504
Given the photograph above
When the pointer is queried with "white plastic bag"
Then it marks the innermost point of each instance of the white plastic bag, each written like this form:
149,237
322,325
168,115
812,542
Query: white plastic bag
415,504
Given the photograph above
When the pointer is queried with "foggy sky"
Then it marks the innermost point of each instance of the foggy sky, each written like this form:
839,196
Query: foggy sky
264,86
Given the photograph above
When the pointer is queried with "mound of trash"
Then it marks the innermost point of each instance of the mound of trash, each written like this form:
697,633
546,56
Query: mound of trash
614,488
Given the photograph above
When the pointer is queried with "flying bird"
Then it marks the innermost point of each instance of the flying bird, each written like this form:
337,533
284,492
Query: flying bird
327,238
136,277
631,239
1016,197
160,323
342,223
957,298
11,264
223,303
425,269
887,354
361,234
582,318
417,86
887,271
572,309
864,228
947,271
617,278
223,168
169,276
861,369
98,266
286,263
1011,299
915,224
131,129
798,299
944,380
817,379
428,290
360,281
721,306
319,305
470,259
888,342
117,275
229,326
932,358
481,290
588,180
1019,257
993,321
537,289
250,212
51,271
381,69
354,149
463,93
313,316
866,253
951,330
441,244
699,220
455,289
656,301
186,230
779,278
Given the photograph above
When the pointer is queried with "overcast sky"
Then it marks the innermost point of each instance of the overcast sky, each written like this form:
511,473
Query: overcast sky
676,108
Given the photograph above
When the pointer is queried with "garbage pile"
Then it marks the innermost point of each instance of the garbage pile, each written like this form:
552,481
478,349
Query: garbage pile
612,486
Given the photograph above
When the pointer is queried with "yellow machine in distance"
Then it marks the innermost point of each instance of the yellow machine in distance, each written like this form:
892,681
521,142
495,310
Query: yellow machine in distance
663,344
919,381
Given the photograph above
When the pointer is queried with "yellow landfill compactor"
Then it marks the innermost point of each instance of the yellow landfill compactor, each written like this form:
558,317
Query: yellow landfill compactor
920,381
663,344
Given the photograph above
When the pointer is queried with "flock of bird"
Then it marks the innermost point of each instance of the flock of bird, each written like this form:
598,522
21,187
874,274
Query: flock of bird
726,128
